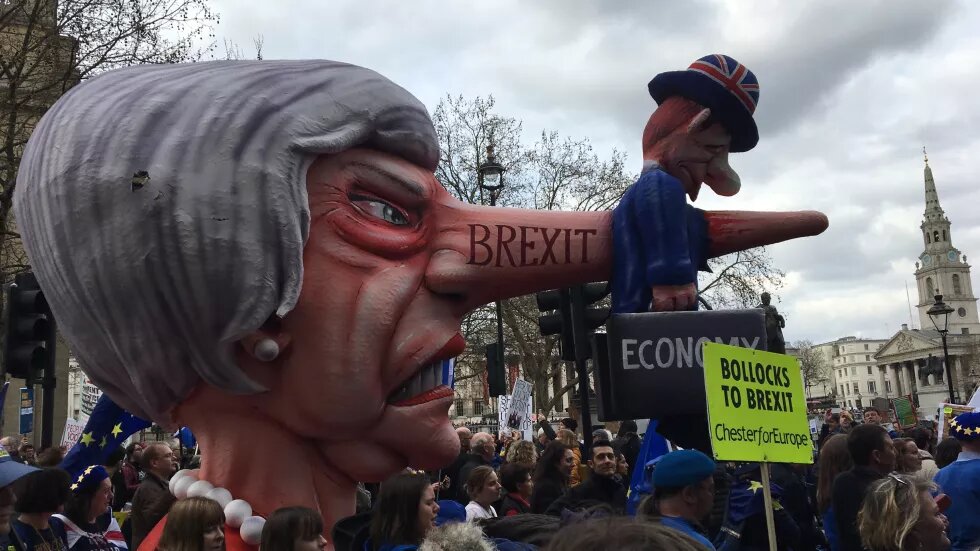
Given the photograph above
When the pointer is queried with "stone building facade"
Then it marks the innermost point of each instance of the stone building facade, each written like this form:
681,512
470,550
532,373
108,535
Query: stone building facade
911,362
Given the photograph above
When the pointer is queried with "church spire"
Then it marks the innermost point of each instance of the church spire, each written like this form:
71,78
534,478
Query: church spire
933,210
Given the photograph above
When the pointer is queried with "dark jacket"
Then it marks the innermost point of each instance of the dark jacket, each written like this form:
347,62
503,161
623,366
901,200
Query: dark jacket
846,496
629,445
452,471
796,501
548,432
546,490
594,491
512,504
151,503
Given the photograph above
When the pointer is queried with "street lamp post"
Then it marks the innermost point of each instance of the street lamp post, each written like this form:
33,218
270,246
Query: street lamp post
490,175
940,311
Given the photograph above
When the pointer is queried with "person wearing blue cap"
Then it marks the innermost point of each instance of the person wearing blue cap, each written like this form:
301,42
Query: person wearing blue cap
10,472
683,493
960,480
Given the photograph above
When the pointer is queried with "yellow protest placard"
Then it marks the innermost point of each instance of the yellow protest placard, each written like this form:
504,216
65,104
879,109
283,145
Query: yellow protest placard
756,406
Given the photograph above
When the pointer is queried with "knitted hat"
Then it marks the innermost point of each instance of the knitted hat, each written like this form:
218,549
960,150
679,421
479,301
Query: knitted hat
966,427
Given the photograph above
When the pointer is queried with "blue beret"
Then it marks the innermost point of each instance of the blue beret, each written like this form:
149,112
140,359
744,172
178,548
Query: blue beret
682,468
966,427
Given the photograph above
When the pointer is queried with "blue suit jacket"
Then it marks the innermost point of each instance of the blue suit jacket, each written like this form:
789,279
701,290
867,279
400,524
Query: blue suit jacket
658,239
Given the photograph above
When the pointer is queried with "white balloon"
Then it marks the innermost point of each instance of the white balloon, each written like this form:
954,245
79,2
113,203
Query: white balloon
236,512
199,488
221,495
251,530
177,476
182,485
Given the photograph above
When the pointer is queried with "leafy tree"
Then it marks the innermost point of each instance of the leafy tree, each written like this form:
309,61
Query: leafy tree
813,365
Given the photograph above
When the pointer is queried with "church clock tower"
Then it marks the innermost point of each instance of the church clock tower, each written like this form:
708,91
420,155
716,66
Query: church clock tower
942,269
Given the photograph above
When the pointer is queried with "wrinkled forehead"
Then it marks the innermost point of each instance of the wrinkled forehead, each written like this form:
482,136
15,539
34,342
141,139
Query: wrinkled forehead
402,174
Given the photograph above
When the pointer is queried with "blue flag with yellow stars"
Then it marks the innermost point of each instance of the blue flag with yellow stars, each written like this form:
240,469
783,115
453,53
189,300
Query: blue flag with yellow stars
746,499
653,446
107,428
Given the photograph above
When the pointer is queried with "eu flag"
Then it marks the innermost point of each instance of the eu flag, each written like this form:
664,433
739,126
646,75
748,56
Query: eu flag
653,446
107,428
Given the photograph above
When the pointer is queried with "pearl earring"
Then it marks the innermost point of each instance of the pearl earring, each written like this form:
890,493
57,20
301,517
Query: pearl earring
266,350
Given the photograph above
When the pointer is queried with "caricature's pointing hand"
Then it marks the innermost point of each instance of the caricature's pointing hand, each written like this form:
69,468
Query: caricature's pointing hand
668,298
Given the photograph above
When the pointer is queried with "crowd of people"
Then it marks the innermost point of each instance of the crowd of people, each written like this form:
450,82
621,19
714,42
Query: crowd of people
869,489
44,508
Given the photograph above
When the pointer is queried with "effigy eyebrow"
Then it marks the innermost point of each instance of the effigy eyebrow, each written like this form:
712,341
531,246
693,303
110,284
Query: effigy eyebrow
411,187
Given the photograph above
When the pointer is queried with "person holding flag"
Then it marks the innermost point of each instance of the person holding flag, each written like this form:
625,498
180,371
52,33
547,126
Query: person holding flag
88,519
89,523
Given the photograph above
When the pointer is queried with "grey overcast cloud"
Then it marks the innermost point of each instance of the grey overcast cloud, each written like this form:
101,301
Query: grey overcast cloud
850,93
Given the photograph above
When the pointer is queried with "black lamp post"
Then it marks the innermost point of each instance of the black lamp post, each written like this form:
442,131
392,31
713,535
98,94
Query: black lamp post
939,312
490,175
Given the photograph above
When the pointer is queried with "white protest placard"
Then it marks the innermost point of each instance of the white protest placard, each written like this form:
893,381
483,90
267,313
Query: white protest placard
520,401
503,414
73,431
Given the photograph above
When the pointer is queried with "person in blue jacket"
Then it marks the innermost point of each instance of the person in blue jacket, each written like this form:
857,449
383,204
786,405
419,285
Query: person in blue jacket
705,112
960,480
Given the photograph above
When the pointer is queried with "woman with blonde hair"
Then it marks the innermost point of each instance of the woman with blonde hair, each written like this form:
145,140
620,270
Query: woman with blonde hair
900,514
834,459
568,438
194,524
523,453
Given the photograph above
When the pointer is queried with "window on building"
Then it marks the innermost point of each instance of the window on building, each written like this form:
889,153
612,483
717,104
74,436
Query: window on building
928,240
965,331
869,367
888,386
857,390
843,391
935,236
957,288
929,288
460,405
939,377
944,235
865,347
477,407
854,371
842,350
871,387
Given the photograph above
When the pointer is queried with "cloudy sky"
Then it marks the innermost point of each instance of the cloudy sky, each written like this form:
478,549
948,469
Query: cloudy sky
851,91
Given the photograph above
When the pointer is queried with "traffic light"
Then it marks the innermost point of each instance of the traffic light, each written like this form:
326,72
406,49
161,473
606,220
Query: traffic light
592,293
30,330
585,320
496,377
559,301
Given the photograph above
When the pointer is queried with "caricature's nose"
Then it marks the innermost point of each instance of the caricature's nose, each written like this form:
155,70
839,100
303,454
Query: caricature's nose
484,254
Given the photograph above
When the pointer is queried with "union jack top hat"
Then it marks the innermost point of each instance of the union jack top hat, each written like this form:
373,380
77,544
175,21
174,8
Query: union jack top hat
721,84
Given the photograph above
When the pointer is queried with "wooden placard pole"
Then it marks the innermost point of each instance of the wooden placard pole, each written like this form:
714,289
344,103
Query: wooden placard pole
767,503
